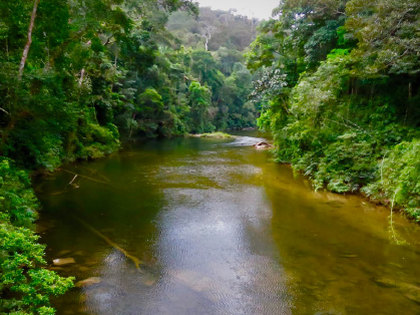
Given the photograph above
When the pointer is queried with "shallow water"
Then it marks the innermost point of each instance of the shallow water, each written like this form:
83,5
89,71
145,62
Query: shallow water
219,229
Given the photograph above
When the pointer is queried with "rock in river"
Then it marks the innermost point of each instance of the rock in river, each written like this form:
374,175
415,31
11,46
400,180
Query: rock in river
63,261
385,282
262,145
88,282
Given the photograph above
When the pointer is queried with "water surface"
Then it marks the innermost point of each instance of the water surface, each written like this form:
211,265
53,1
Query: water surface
219,229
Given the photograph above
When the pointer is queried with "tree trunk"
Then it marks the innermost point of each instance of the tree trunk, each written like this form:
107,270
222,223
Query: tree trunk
410,91
82,74
206,45
29,41
131,127
410,95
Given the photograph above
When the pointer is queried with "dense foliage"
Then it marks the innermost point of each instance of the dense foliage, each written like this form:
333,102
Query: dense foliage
340,89
25,286
112,68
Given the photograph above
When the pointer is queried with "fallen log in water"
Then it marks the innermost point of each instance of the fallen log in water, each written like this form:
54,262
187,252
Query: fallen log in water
134,259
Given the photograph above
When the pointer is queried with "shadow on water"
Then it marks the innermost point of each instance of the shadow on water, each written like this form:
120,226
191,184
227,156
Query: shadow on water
219,230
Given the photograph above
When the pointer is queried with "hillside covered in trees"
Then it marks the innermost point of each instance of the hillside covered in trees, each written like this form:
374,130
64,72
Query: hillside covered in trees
340,93
214,30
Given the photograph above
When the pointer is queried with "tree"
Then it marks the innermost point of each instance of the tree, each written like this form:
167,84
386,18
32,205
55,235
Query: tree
387,33
200,99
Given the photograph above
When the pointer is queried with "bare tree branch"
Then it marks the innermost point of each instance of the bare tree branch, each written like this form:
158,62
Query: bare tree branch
29,41
4,111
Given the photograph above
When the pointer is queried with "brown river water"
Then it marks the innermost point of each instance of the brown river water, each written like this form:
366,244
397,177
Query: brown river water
217,228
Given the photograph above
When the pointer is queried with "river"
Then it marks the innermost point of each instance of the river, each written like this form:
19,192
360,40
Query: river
220,229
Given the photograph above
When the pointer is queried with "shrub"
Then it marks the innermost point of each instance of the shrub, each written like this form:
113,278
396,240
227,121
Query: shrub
25,287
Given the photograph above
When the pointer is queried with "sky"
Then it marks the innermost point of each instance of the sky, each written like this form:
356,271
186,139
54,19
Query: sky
260,9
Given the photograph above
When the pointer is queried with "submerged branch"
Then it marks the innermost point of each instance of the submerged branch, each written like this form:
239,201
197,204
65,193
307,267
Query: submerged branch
74,178
88,178
95,172
134,259
65,191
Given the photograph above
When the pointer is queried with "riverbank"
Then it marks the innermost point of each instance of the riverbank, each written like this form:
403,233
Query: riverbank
388,177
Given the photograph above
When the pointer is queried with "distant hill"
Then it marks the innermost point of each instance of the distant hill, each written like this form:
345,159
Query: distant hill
213,29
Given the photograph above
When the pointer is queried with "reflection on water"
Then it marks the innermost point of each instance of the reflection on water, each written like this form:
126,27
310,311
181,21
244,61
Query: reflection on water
219,230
